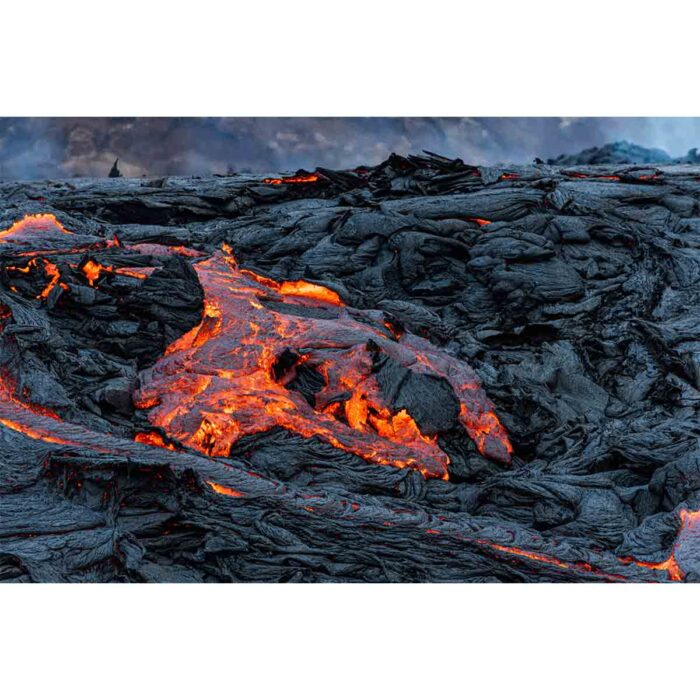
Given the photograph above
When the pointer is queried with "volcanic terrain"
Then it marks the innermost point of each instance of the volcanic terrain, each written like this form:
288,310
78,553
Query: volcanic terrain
420,371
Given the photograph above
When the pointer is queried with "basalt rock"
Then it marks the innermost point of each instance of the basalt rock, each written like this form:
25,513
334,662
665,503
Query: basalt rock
421,371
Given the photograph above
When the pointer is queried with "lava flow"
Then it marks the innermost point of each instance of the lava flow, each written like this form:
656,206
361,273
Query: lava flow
292,180
33,223
26,418
50,270
583,176
682,547
222,380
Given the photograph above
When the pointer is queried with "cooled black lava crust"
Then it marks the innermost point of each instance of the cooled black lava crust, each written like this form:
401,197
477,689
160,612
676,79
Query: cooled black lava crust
574,294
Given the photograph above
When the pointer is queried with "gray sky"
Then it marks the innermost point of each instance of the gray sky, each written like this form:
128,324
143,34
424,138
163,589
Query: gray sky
55,147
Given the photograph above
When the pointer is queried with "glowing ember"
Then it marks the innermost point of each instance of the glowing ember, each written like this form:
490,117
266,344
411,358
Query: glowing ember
220,381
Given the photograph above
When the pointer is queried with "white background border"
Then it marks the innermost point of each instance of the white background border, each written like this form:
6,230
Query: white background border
297,58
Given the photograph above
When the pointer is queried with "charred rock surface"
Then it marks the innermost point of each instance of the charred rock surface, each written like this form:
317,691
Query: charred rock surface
422,371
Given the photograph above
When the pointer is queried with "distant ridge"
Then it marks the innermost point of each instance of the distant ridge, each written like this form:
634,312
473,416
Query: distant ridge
623,153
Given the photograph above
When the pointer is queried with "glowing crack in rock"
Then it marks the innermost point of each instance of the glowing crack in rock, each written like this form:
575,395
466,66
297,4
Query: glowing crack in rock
684,553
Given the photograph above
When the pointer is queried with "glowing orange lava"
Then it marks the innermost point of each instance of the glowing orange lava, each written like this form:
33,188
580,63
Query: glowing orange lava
689,531
222,380
50,270
33,223
294,179
92,270
140,273
481,222
13,413
154,439
225,490
580,176
550,560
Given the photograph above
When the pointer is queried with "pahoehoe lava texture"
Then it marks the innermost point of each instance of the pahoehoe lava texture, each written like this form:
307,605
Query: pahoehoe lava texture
422,371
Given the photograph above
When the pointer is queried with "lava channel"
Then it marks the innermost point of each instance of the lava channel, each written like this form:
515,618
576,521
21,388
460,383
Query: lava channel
219,382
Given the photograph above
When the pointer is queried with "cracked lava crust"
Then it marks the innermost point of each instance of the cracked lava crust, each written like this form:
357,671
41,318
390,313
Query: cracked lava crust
422,371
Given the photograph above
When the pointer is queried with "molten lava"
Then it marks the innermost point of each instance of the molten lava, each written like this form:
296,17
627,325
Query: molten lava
92,270
221,380
225,490
34,223
20,416
154,439
50,270
582,176
293,180
688,532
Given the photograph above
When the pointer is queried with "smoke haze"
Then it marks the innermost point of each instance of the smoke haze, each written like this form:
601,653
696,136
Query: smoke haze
67,147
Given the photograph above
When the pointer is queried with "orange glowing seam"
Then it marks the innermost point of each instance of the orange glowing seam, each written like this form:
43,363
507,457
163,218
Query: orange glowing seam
154,439
35,434
140,273
293,180
92,270
55,276
225,490
594,176
35,222
50,269
537,556
480,222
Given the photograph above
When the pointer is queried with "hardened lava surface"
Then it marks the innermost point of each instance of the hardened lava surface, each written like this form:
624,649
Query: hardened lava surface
419,371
